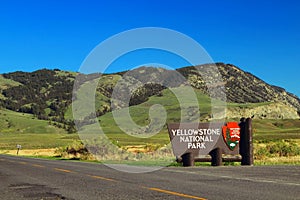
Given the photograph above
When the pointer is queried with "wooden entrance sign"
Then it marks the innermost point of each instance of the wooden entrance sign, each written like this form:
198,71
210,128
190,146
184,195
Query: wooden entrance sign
190,141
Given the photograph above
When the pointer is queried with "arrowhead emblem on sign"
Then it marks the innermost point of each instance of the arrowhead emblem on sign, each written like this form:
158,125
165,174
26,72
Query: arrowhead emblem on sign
231,134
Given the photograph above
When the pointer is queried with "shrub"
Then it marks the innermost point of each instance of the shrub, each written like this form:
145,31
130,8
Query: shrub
283,148
261,153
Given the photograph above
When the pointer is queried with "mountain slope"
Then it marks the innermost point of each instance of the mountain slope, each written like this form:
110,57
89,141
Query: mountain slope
243,87
48,93
43,93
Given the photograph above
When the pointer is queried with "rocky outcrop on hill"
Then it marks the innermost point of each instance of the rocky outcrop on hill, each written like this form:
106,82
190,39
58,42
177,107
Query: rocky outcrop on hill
268,111
240,86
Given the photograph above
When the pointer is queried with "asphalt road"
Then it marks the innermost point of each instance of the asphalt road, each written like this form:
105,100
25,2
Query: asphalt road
25,178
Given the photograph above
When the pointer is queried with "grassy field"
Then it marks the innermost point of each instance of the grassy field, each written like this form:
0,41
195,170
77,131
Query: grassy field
263,129
140,116
20,123
270,129
36,141
31,133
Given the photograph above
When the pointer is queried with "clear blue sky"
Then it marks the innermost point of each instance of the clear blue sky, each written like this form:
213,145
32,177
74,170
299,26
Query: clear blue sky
262,37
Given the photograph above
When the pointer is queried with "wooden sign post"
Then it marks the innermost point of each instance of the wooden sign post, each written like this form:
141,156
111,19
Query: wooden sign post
246,143
190,141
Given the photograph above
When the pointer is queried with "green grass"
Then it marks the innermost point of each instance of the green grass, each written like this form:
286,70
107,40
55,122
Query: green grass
35,141
117,136
140,115
5,83
263,129
84,95
272,129
69,75
248,105
31,133
20,123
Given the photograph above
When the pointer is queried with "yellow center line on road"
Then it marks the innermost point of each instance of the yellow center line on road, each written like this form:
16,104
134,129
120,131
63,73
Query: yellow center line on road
102,178
113,180
175,193
63,170
35,165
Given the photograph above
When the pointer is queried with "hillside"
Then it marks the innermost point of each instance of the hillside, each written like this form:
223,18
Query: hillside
31,133
44,93
36,111
47,94
241,86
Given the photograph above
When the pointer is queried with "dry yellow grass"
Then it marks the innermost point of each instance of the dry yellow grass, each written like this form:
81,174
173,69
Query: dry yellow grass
292,160
31,152
136,149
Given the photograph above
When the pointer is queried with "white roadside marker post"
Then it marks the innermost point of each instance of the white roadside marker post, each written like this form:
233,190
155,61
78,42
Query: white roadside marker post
18,147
